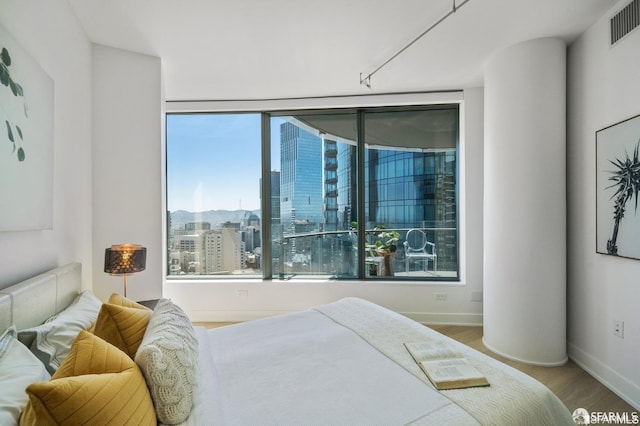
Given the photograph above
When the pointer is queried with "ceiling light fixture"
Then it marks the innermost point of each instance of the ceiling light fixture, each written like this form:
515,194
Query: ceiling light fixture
366,80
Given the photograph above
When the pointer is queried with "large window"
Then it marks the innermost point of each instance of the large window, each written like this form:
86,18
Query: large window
213,194
367,193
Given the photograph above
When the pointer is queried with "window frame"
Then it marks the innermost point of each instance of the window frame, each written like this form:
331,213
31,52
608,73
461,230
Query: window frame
360,104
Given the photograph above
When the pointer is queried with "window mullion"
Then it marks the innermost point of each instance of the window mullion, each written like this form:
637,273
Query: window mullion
265,202
360,193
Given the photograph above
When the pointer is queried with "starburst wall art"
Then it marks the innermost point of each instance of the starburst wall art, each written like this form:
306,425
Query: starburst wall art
618,187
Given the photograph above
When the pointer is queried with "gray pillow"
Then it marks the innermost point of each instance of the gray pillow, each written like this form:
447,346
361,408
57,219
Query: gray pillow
168,358
52,340
18,369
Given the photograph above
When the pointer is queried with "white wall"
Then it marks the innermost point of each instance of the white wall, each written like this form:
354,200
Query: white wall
216,300
127,166
51,34
604,88
108,183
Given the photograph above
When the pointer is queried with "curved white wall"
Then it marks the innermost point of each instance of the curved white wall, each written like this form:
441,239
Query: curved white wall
525,203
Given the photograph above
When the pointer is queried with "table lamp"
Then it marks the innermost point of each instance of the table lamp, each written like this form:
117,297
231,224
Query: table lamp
123,259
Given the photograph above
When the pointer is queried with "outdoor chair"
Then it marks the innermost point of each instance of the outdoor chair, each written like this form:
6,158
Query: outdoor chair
417,247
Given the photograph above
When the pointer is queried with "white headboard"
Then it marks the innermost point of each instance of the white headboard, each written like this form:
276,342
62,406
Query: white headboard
31,302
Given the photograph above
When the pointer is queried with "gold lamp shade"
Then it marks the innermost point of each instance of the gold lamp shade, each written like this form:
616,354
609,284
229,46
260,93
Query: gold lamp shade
123,259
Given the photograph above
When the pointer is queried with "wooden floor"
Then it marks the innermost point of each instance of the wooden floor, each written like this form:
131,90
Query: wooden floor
575,387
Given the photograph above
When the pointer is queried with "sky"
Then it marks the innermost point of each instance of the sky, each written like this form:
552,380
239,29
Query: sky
213,161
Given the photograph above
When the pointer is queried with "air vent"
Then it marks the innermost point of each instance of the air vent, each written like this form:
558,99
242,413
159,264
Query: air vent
625,21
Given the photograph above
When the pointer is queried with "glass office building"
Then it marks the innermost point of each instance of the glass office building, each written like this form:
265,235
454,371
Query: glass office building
410,182
300,178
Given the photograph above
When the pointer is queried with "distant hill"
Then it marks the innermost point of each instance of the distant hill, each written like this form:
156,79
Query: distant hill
215,217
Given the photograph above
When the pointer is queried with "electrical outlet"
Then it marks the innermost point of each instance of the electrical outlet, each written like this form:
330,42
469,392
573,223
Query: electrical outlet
441,296
618,328
243,293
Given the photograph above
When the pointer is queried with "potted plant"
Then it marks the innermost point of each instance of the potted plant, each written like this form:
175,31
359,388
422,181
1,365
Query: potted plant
384,246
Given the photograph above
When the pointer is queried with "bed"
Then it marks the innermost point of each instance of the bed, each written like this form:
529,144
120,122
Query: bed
340,363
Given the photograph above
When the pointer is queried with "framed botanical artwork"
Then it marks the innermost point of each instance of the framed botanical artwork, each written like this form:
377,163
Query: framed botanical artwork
618,188
26,140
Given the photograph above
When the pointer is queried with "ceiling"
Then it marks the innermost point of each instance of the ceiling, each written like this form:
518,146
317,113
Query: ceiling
257,49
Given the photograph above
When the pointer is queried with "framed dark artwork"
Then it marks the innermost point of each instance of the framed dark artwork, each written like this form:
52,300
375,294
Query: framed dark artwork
617,189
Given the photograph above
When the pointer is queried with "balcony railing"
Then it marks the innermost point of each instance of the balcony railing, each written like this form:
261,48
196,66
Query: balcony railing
335,254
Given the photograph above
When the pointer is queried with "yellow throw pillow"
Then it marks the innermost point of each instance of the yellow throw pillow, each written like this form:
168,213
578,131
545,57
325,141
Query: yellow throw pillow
117,299
97,384
122,327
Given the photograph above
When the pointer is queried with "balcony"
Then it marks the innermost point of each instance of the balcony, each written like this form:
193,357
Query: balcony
334,254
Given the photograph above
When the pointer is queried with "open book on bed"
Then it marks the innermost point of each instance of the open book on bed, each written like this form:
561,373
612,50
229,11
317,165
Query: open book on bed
445,368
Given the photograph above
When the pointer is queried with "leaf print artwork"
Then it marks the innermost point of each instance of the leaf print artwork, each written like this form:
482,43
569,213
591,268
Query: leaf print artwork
16,89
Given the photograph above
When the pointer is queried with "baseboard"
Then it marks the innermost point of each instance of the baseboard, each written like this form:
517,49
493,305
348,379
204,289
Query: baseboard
445,318
628,391
557,363
232,316
248,315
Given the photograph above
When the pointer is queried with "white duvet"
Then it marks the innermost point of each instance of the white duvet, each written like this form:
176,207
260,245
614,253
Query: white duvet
345,364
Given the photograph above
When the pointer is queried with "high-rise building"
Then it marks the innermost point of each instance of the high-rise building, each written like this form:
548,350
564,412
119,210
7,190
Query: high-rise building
300,177
186,252
224,250
406,189
275,196
233,254
330,185
347,185
213,252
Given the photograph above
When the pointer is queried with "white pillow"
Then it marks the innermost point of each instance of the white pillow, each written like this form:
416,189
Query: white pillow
168,358
18,369
52,340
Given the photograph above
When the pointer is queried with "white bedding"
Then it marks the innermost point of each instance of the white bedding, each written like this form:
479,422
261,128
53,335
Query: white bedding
345,363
